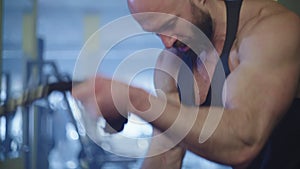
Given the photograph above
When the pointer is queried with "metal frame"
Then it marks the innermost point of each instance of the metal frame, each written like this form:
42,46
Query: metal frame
1,36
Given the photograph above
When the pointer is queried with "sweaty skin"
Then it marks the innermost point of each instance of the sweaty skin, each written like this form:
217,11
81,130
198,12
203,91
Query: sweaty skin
264,63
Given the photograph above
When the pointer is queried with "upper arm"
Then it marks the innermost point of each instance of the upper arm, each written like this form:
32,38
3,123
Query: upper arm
262,87
166,72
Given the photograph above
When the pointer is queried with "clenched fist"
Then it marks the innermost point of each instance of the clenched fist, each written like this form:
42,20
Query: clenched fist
105,97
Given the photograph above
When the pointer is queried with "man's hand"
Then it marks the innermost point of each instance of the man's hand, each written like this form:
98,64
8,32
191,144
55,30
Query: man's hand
104,97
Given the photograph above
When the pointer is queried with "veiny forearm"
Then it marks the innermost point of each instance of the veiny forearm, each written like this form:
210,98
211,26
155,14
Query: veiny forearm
226,145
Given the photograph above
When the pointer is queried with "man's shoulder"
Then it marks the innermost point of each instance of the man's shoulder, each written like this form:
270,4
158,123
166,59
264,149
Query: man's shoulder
278,21
274,31
286,21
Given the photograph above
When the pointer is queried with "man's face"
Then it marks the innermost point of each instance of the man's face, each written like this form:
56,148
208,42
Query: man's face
172,31
202,21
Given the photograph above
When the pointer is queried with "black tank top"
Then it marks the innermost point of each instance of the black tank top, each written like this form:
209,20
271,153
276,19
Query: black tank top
185,79
282,151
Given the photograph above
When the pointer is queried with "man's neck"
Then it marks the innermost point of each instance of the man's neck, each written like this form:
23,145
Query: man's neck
217,10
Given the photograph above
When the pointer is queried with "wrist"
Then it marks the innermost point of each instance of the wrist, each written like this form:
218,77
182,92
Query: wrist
138,101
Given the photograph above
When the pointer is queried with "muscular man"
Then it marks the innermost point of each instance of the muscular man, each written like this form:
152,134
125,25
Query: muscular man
259,127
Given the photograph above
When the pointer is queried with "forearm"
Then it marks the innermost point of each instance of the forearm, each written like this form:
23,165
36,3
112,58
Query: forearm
226,144
159,157
172,159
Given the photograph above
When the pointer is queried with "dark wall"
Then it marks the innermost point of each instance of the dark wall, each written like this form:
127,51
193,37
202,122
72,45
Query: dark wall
293,5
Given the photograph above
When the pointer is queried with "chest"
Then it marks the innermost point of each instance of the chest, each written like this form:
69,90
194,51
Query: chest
204,71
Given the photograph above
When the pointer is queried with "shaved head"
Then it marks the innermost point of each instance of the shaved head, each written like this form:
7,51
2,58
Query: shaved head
164,6
185,9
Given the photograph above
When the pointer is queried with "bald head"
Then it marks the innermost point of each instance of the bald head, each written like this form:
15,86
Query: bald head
164,6
167,26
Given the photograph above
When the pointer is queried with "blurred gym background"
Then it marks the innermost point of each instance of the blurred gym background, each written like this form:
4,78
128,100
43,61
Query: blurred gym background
40,42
